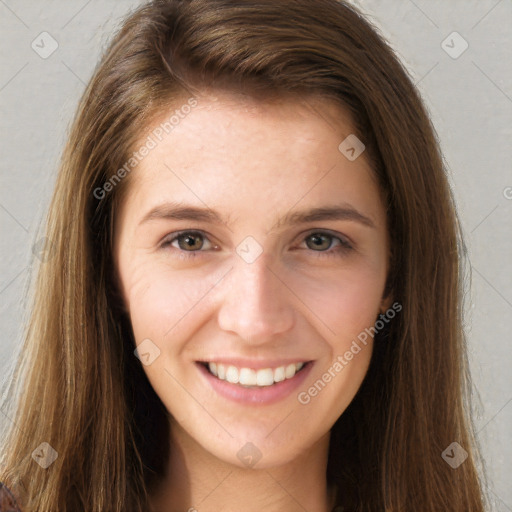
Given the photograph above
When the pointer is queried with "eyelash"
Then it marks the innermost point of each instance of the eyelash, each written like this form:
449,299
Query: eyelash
343,247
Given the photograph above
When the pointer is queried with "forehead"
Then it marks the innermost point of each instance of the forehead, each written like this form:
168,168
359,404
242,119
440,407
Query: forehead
234,150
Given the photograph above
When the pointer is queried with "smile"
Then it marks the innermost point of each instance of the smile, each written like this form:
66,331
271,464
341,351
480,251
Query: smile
249,377
254,386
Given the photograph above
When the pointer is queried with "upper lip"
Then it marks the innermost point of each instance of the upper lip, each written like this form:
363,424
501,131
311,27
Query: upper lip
255,364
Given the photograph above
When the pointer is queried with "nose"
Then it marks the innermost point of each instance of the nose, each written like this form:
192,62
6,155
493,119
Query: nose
256,303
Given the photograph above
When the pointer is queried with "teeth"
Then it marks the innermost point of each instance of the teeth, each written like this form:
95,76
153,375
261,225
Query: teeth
232,374
279,374
250,378
289,371
265,377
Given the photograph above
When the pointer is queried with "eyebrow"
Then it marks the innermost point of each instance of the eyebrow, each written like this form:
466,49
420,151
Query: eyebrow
180,211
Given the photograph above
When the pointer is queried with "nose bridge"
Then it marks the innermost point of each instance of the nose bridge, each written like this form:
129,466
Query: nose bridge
256,304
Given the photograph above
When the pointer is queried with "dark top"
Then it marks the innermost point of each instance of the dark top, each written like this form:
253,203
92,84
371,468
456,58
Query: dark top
7,500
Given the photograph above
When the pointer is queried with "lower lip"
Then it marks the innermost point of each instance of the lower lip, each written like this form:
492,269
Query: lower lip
265,395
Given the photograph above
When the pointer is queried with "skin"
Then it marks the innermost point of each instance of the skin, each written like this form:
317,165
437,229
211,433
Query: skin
253,161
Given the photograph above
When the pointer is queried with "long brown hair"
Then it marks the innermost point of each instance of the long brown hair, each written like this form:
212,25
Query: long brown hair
77,385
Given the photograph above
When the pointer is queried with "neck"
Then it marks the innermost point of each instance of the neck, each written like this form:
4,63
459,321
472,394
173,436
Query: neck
196,481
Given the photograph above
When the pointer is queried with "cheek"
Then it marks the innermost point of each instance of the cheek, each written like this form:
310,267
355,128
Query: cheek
344,301
162,301
347,305
340,302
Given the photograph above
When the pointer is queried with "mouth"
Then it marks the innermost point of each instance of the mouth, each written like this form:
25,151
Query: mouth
253,378
254,385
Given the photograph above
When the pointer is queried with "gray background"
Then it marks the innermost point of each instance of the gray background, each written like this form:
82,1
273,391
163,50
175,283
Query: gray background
469,98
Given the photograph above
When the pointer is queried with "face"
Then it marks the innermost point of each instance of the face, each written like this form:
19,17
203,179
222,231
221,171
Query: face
250,247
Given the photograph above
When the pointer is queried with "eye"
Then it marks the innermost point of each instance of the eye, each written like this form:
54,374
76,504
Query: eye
322,242
187,241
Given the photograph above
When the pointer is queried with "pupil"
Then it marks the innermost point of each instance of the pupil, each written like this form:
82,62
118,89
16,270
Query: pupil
317,239
189,240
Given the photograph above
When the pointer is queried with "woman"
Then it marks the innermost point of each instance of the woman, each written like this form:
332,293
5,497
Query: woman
252,295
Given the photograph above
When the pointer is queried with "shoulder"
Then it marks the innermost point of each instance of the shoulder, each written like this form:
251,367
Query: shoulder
7,500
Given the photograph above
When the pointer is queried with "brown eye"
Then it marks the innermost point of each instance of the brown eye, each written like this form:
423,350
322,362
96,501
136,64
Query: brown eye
187,241
190,241
327,244
319,241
